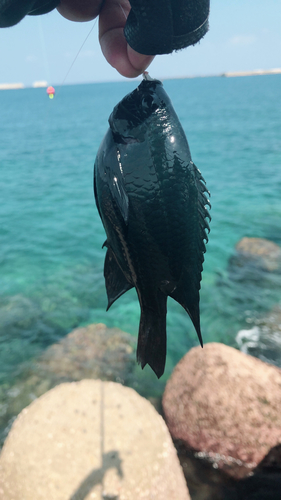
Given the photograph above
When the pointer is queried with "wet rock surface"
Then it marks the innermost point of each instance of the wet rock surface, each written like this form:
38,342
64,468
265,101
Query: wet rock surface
264,484
226,406
207,482
90,439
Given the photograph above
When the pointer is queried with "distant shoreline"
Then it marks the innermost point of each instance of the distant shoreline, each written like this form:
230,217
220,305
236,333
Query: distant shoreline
227,74
10,86
274,71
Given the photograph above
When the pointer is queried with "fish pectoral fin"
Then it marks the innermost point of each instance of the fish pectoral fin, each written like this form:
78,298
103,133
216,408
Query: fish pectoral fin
152,335
118,192
188,298
115,281
115,180
108,178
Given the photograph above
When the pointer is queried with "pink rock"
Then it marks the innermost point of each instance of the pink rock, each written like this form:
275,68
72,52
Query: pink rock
226,405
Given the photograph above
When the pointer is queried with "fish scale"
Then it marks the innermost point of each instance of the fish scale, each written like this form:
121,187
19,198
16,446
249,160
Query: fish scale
152,202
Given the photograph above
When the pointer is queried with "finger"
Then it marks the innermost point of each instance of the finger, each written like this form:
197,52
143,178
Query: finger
112,20
79,10
119,55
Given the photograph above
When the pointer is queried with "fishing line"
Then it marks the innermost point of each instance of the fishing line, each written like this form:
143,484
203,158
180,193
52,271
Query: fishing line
47,112
72,64
70,68
123,11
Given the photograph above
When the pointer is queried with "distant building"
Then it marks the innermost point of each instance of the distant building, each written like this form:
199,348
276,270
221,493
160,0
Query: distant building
274,71
40,84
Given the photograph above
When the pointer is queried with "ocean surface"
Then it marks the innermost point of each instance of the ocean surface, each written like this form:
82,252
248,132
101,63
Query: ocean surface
51,254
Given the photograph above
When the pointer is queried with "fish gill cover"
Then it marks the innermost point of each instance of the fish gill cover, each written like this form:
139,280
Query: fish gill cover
152,202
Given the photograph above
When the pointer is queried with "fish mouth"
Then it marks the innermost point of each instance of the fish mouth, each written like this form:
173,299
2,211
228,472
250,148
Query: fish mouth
135,108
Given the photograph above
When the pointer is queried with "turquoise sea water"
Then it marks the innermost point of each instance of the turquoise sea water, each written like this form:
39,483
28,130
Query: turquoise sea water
51,236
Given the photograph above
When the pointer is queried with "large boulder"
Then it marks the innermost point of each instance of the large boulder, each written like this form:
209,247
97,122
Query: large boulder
225,405
94,351
90,440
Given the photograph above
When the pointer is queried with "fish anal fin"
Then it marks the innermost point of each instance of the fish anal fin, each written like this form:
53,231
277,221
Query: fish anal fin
115,280
152,336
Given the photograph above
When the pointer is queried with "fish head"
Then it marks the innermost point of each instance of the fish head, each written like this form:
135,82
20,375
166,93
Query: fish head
130,118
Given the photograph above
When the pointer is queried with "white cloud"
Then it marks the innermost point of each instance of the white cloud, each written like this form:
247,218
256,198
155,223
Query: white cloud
31,58
88,53
243,40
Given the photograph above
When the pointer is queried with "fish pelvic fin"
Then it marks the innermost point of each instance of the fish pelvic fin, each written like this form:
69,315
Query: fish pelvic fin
115,281
152,344
189,300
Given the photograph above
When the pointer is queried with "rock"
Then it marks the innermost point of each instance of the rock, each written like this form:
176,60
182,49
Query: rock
90,440
258,253
226,406
94,352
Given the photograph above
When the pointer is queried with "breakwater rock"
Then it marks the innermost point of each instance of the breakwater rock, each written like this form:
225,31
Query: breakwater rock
93,352
90,439
226,406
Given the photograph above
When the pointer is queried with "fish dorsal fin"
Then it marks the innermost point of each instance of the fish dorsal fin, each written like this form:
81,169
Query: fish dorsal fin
186,292
203,202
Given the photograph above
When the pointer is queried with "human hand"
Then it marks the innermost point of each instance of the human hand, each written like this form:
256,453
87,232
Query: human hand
112,19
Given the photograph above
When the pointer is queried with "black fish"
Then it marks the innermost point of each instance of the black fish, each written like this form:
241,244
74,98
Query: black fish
152,202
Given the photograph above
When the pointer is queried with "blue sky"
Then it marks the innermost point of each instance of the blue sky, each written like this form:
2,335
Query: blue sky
244,35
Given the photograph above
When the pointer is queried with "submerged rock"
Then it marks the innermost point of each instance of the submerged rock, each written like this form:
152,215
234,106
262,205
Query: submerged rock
94,351
226,406
90,439
255,254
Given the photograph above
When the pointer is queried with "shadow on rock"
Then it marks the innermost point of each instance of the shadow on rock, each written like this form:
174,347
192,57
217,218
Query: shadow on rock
109,460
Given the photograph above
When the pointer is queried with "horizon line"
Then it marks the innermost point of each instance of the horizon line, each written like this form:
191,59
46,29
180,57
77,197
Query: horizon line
227,74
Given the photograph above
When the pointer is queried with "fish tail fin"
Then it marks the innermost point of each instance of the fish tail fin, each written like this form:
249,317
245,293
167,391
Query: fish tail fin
152,336
190,302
